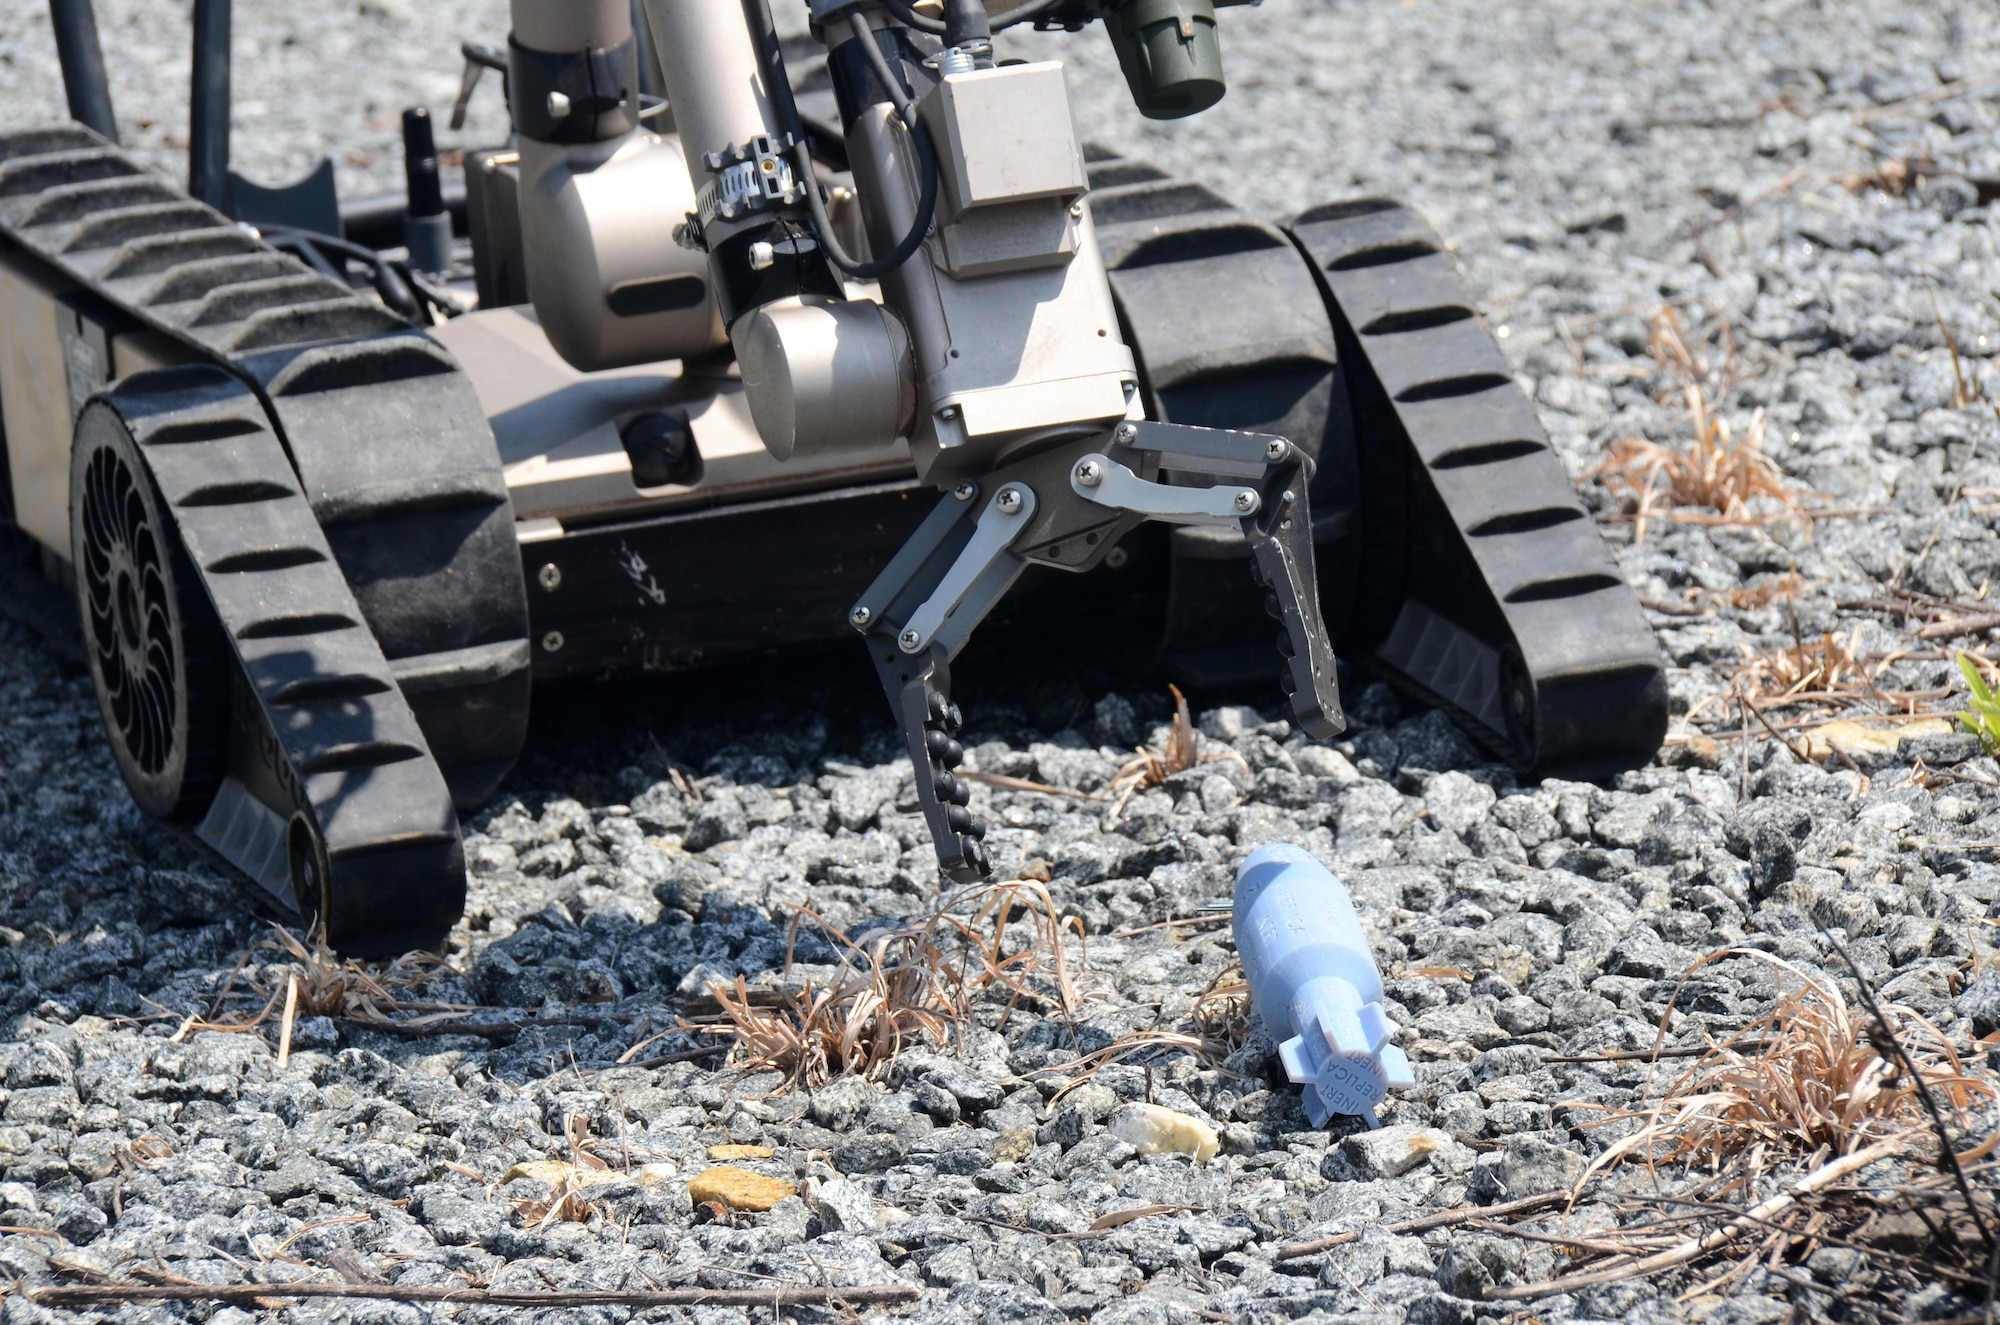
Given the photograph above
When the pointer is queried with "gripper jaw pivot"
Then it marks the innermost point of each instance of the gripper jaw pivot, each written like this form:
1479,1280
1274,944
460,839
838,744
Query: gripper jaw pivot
1066,507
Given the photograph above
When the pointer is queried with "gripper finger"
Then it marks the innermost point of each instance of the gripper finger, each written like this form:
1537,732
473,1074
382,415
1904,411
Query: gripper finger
920,692
1281,548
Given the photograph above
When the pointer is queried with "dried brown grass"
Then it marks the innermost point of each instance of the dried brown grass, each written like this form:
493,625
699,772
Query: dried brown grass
1222,1012
1776,588
911,985
331,986
1894,176
566,1202
1829,665
311,980
1773,1131
1717,471
1809,1080
1152,767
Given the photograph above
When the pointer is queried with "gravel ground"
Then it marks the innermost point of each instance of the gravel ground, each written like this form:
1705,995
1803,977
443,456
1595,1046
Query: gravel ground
1591,165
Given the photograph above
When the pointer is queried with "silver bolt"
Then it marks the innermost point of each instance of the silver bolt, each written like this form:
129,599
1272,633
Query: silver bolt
1008,500
762,256
860,617
553,641
1128,433
550,577
910,640
1076,209
948,412
965,491
558,106
1246,501
1089,474
1275,449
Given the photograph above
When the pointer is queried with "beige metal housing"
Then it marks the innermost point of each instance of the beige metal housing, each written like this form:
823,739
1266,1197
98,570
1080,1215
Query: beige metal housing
609,283
1008,359
51,360
558,429
825,378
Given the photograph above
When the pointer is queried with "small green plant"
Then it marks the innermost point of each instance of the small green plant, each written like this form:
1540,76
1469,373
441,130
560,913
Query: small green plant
1983,719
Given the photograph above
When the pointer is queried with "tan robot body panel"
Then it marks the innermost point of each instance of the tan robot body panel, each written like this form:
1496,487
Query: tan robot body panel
557,428
51,359
609,283
34,398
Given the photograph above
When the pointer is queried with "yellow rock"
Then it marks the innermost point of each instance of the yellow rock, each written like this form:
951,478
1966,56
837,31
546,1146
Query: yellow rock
555,1172
739,1189
1855,738
1013,1146
1154,1130
740,1152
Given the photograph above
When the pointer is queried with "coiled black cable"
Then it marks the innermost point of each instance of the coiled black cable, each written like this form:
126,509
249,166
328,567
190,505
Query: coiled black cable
392,285
927,193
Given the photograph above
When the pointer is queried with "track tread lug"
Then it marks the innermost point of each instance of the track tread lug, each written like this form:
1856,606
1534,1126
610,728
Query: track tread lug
1593,669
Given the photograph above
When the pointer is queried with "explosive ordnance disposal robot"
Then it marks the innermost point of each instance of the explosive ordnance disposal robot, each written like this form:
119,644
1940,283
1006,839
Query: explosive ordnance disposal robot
756,343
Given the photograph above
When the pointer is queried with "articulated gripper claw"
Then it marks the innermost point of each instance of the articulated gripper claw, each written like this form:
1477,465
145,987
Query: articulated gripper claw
1066,507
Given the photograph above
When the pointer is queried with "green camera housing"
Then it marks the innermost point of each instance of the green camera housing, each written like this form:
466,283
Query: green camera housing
1171,54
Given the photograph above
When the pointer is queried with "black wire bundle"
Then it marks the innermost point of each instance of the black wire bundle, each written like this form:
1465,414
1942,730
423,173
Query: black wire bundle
906,110
909,17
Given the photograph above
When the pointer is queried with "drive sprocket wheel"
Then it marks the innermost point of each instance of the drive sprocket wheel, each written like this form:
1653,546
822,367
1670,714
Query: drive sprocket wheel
155,649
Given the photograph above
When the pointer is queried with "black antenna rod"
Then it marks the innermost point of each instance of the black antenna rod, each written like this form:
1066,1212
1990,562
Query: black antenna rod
208,117
82,58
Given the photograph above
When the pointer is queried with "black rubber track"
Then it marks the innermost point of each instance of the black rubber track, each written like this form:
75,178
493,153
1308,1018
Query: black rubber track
1484,584
1229,330
381,433
339,763
1455,558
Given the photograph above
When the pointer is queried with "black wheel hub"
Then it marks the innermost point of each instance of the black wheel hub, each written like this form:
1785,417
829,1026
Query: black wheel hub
127,605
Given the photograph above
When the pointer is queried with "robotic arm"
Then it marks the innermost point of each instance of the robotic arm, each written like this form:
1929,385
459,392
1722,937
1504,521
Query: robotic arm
994,346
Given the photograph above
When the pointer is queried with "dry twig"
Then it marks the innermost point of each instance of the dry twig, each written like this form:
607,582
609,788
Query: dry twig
1695,1248
1442,1219
87,1296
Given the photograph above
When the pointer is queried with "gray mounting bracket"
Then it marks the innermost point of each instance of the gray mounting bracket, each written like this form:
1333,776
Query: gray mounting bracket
979,577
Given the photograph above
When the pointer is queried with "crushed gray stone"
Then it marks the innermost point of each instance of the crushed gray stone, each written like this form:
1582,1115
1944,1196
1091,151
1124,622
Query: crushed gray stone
1524,927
